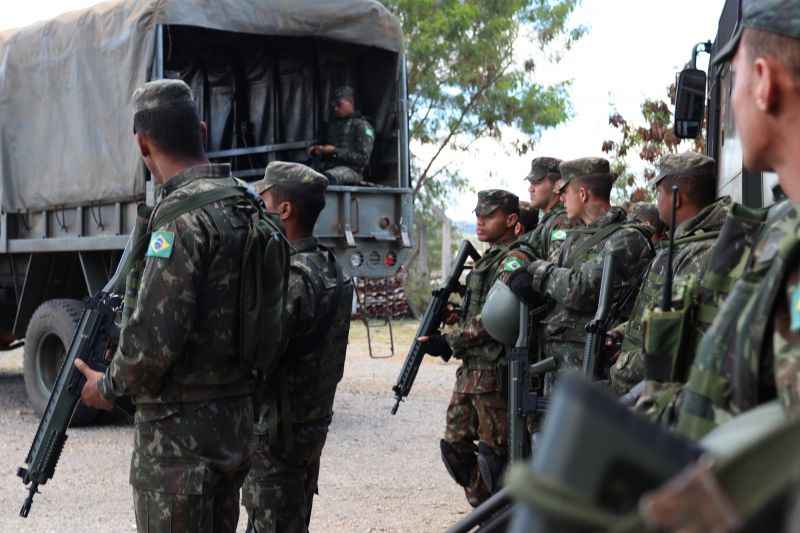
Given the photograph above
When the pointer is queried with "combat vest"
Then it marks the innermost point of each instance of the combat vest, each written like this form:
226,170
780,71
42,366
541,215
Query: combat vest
248,232
301,391
727,376
478,283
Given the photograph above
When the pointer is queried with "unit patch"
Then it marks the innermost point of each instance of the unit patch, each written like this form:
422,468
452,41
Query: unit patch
161,244
558,235
511,264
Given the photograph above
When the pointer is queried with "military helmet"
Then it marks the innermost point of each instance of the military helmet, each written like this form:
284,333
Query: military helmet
500,314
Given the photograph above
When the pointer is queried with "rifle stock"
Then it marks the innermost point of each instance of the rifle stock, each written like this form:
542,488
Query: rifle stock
431,321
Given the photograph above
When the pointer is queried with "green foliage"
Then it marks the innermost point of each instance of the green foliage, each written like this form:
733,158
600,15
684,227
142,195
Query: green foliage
466,80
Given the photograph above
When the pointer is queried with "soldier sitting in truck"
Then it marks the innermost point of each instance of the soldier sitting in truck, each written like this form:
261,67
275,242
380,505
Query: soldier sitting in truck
347,144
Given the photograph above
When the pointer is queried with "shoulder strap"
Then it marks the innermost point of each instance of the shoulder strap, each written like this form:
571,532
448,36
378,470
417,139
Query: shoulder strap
196,201
597,237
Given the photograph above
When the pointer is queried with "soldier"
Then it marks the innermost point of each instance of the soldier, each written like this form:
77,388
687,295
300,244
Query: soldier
478,406
546,239
347,143
648,214
751,353
573,282
699,219
528,219
177,357
292,420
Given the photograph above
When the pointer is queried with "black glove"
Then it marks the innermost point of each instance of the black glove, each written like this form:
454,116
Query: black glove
520,282
436,345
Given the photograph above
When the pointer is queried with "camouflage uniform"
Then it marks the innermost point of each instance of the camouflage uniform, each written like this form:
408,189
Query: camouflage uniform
694,239
353,138
573,283
477,410
294,413
551,232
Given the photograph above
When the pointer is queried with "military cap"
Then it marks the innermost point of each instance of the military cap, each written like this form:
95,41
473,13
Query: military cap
343,91
685,165
541,167
294,175
528,215
492,199
161,94
774,16
586,167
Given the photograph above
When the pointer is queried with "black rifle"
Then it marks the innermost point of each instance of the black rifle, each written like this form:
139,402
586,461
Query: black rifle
430,323
97,332
597,328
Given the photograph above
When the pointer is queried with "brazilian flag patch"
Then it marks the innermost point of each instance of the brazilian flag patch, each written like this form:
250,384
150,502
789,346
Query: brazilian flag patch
161,244
558,235
795,310
511,264
370,132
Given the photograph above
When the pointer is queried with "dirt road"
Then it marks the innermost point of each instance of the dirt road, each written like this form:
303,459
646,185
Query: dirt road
380,473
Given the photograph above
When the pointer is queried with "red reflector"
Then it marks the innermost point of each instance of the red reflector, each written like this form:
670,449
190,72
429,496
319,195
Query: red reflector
390,260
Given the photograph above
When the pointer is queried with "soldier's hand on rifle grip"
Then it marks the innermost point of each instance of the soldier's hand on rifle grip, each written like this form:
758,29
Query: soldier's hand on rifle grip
90,394
521,284
436,345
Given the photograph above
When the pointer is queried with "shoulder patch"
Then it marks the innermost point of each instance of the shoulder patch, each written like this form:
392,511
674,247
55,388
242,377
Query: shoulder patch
795,309
558,235
161,244
510,264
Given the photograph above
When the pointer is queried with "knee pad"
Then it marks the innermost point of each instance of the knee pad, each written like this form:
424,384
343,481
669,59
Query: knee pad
459,463
492,464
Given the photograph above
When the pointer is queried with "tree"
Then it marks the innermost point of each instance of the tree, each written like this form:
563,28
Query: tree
469,78
648,142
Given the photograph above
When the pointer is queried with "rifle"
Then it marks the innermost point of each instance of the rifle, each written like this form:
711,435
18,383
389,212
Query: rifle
430,322
97,332
597,328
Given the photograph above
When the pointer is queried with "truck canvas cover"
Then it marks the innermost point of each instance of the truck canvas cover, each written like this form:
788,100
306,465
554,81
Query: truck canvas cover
66,86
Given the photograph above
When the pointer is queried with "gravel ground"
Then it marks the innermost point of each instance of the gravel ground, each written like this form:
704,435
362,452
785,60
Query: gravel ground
380,473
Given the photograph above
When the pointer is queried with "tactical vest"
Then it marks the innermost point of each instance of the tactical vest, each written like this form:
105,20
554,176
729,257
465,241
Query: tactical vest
726,376
301,391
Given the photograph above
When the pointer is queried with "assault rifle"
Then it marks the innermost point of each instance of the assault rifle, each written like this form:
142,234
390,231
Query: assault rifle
431,321
597,328
97,332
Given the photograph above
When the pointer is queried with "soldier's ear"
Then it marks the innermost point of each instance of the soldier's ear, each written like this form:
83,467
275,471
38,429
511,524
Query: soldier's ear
511,220
285,210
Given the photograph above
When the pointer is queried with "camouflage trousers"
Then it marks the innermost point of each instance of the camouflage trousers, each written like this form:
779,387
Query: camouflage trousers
477,413
279,490
189,461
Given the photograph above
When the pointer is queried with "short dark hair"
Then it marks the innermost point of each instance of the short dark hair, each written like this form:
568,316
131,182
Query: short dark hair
308,202
599,186
175,129
700,190
785,49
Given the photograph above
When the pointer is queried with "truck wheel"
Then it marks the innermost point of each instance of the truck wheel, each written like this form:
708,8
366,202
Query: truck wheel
49,333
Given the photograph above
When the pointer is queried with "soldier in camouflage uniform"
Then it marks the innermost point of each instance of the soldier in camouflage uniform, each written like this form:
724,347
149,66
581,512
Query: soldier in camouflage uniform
177,357
647,214
528,219
548,236
475,444
699,219
751,353
572,283
347,142
294,415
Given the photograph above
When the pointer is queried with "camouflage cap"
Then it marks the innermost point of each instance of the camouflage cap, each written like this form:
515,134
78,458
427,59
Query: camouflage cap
161,94
685,165
773,16
492,199
543,166
291,175
343,91
586,167
528,215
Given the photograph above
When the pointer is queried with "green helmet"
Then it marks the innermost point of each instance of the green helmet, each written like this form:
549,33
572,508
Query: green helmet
500,314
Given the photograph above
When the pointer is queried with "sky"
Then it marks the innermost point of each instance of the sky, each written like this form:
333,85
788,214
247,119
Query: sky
632,51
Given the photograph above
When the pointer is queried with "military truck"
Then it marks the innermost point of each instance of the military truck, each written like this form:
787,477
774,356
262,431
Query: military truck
263,74
706,97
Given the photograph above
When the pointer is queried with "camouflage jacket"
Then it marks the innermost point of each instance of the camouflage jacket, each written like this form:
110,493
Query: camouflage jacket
549,235
573,284
694,239
750,354
469,340
180,342
353,138
302,389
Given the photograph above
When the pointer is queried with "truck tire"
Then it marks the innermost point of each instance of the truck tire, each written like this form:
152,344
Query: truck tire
49,334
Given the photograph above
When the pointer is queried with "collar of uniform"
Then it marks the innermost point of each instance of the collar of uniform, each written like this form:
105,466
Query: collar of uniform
710,218
206,170
306,244
612,216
